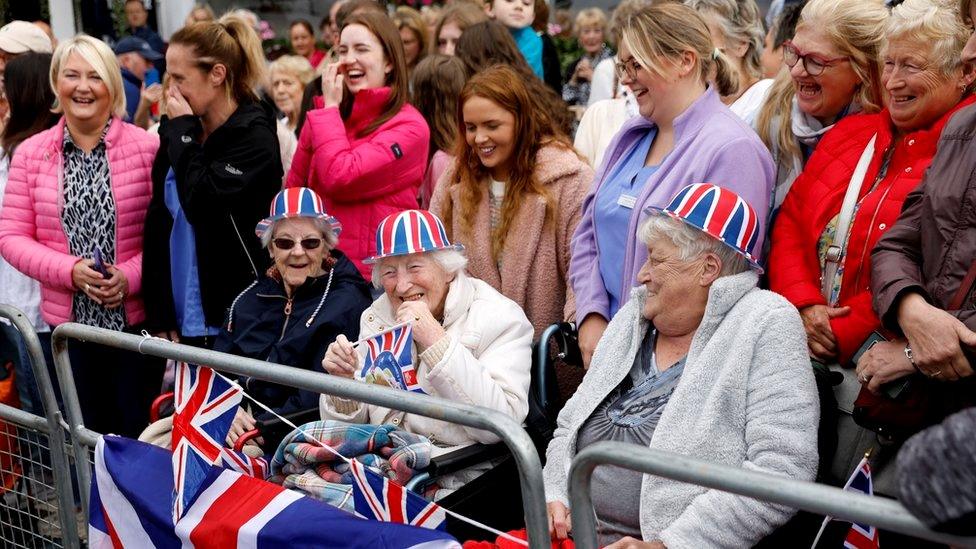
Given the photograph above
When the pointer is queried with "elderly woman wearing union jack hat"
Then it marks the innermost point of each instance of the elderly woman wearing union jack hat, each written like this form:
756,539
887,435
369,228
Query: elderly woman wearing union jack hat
471,343
310,295
699,362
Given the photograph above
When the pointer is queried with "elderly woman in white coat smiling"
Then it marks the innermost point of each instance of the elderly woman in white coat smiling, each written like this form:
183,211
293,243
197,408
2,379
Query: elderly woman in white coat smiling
699,362
471,344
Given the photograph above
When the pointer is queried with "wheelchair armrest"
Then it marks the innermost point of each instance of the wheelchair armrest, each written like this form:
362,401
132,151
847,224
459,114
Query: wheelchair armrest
465,457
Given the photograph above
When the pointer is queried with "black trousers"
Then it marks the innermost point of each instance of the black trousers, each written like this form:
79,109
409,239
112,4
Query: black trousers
115,387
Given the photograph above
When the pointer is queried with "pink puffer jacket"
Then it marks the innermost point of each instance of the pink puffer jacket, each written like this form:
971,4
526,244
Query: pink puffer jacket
362,179
31,236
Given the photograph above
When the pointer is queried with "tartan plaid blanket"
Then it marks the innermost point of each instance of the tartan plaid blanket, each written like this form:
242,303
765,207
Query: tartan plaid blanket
306,466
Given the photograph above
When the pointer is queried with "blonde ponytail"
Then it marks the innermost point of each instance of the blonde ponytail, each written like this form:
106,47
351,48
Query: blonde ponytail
726,76
230,42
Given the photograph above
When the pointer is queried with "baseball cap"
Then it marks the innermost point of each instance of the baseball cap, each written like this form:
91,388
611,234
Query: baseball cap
21,36
138,45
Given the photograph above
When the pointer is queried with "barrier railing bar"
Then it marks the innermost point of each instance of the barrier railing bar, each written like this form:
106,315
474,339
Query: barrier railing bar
510,432
818,498
25,419
59,459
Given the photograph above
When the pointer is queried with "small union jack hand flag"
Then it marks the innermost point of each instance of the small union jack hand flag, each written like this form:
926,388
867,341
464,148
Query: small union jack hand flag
379,498
861,536
205,407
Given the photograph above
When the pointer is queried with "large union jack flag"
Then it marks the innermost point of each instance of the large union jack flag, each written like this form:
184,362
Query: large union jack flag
379,498
861,536
389,361
205,407
130,507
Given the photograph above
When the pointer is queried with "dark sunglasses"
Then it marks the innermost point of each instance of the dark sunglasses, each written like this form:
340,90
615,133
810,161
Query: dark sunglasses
306,243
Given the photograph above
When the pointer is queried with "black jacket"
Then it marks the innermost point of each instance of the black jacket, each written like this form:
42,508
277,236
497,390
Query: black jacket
550,64
225,186
258,327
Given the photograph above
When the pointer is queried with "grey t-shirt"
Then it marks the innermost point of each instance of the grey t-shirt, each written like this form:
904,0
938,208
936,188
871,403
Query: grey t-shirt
629,414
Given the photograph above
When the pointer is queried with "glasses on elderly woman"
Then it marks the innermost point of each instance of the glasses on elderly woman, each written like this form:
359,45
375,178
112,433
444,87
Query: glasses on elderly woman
813,63
306,243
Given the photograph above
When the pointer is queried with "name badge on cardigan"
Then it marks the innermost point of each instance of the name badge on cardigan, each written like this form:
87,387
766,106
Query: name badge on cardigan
627,201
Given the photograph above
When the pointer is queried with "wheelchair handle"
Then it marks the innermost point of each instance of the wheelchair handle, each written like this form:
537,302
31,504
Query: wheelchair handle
157,404
241,440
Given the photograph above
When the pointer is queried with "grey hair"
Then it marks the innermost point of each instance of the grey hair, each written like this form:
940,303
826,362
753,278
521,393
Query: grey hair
451,260
740,21
935,22
323,226
692,243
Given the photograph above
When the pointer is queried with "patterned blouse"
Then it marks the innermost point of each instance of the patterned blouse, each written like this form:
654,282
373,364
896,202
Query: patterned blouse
89,219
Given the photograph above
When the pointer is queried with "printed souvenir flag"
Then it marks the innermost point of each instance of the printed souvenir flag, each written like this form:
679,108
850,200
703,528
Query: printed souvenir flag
388,360
131,507
861,536
205,407
379,498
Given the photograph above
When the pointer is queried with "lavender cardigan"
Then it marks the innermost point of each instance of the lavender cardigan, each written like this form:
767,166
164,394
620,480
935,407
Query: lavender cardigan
711,145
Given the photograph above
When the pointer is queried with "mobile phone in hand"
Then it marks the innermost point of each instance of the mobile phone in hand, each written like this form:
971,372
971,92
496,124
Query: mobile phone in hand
100,263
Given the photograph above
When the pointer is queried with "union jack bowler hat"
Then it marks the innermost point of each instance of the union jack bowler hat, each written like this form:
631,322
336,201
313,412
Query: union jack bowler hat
410,232
720,213
296,202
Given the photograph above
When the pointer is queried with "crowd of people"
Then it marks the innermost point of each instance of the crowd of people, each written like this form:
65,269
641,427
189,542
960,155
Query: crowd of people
762,228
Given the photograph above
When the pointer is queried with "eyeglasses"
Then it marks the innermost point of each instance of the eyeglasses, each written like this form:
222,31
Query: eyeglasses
814,64
628,67
306,243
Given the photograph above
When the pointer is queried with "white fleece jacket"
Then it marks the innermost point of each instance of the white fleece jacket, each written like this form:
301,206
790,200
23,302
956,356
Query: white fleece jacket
746,398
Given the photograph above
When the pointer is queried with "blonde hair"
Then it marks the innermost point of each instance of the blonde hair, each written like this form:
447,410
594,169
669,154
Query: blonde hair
931,22
740,22
294,65
624,11
665,31
102,60
230,41
856,28
407,17
591,17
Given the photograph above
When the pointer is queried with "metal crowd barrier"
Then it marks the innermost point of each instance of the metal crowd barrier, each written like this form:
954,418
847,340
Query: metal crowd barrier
883,513
517,440
37,507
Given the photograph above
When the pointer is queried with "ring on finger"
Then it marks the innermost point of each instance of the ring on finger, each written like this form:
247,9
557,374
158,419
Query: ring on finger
936,373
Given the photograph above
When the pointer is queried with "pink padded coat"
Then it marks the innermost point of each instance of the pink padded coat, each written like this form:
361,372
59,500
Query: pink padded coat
31,236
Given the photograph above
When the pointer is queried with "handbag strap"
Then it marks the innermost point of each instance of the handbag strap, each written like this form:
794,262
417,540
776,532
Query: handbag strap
963,291
836,249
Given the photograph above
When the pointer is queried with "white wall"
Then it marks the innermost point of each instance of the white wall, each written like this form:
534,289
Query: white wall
62,18
170,15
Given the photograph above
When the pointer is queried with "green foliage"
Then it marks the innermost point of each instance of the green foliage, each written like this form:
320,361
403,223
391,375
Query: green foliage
118,18
568,50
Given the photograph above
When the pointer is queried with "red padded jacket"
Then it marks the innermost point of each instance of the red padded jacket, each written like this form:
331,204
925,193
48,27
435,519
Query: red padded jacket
816,197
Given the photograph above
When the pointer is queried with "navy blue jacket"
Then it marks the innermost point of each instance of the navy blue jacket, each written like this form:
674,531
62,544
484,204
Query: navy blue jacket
261,329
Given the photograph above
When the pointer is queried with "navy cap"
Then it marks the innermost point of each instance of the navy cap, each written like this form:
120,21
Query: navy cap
138,45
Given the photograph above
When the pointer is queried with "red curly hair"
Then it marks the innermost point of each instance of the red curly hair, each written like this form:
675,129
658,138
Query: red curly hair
534,128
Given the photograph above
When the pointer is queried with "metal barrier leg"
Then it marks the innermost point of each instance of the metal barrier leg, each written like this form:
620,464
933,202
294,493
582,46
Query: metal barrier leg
517,440
73,409
59,460
809,496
